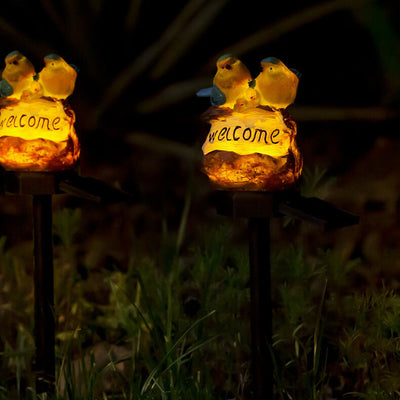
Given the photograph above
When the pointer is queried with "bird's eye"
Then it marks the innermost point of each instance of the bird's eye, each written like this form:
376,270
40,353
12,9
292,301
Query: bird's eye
271,69
228,66
15,62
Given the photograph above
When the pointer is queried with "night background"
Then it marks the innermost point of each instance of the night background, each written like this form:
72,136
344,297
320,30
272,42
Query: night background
160,288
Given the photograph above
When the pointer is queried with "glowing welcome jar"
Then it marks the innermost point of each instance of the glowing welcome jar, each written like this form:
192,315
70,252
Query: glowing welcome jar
36,122
252,141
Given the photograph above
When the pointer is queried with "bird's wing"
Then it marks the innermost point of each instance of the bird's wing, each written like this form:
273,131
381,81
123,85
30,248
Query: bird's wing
5,88
217,96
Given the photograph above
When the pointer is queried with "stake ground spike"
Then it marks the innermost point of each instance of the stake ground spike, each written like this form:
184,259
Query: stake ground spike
258,208
261,310
44,294
42,186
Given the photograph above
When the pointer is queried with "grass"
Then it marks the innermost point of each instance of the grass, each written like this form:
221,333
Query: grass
175,325
146,339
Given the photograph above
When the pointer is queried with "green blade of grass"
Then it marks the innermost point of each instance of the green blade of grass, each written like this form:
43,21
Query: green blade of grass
187,353
317,331
113,287
151,376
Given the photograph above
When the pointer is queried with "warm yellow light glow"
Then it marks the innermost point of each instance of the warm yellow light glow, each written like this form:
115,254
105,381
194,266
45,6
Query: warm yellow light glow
253,131
36,126
252,151
38,136
252,141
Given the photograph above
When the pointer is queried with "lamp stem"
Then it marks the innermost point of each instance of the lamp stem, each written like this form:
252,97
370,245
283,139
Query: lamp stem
44,294
261,310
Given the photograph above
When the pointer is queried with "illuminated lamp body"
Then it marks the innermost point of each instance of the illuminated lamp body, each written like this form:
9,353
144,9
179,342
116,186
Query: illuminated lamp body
252,141
36,123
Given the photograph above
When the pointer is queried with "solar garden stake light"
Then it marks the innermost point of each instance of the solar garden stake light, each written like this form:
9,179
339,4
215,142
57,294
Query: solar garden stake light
250,155
38,150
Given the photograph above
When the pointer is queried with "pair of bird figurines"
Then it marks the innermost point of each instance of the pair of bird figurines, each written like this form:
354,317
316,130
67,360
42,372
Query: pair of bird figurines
251,144
20,80
36,122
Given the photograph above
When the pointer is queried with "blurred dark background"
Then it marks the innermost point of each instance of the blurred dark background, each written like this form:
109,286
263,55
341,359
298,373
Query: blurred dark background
141,63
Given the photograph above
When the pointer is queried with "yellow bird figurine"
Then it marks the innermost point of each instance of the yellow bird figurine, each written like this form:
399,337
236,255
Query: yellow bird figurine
17,75
276,83
57,77
230,81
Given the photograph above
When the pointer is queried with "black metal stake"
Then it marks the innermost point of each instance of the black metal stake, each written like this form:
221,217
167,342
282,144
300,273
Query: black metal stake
42,185
258,208
261,310
44,294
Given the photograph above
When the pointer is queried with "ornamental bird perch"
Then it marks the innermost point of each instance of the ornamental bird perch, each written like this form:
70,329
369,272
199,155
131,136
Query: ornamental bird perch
251,144
36,122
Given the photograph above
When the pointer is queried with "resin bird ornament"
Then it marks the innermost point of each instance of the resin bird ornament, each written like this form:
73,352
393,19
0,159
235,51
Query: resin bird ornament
57,78
17,75
276,83
231,79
